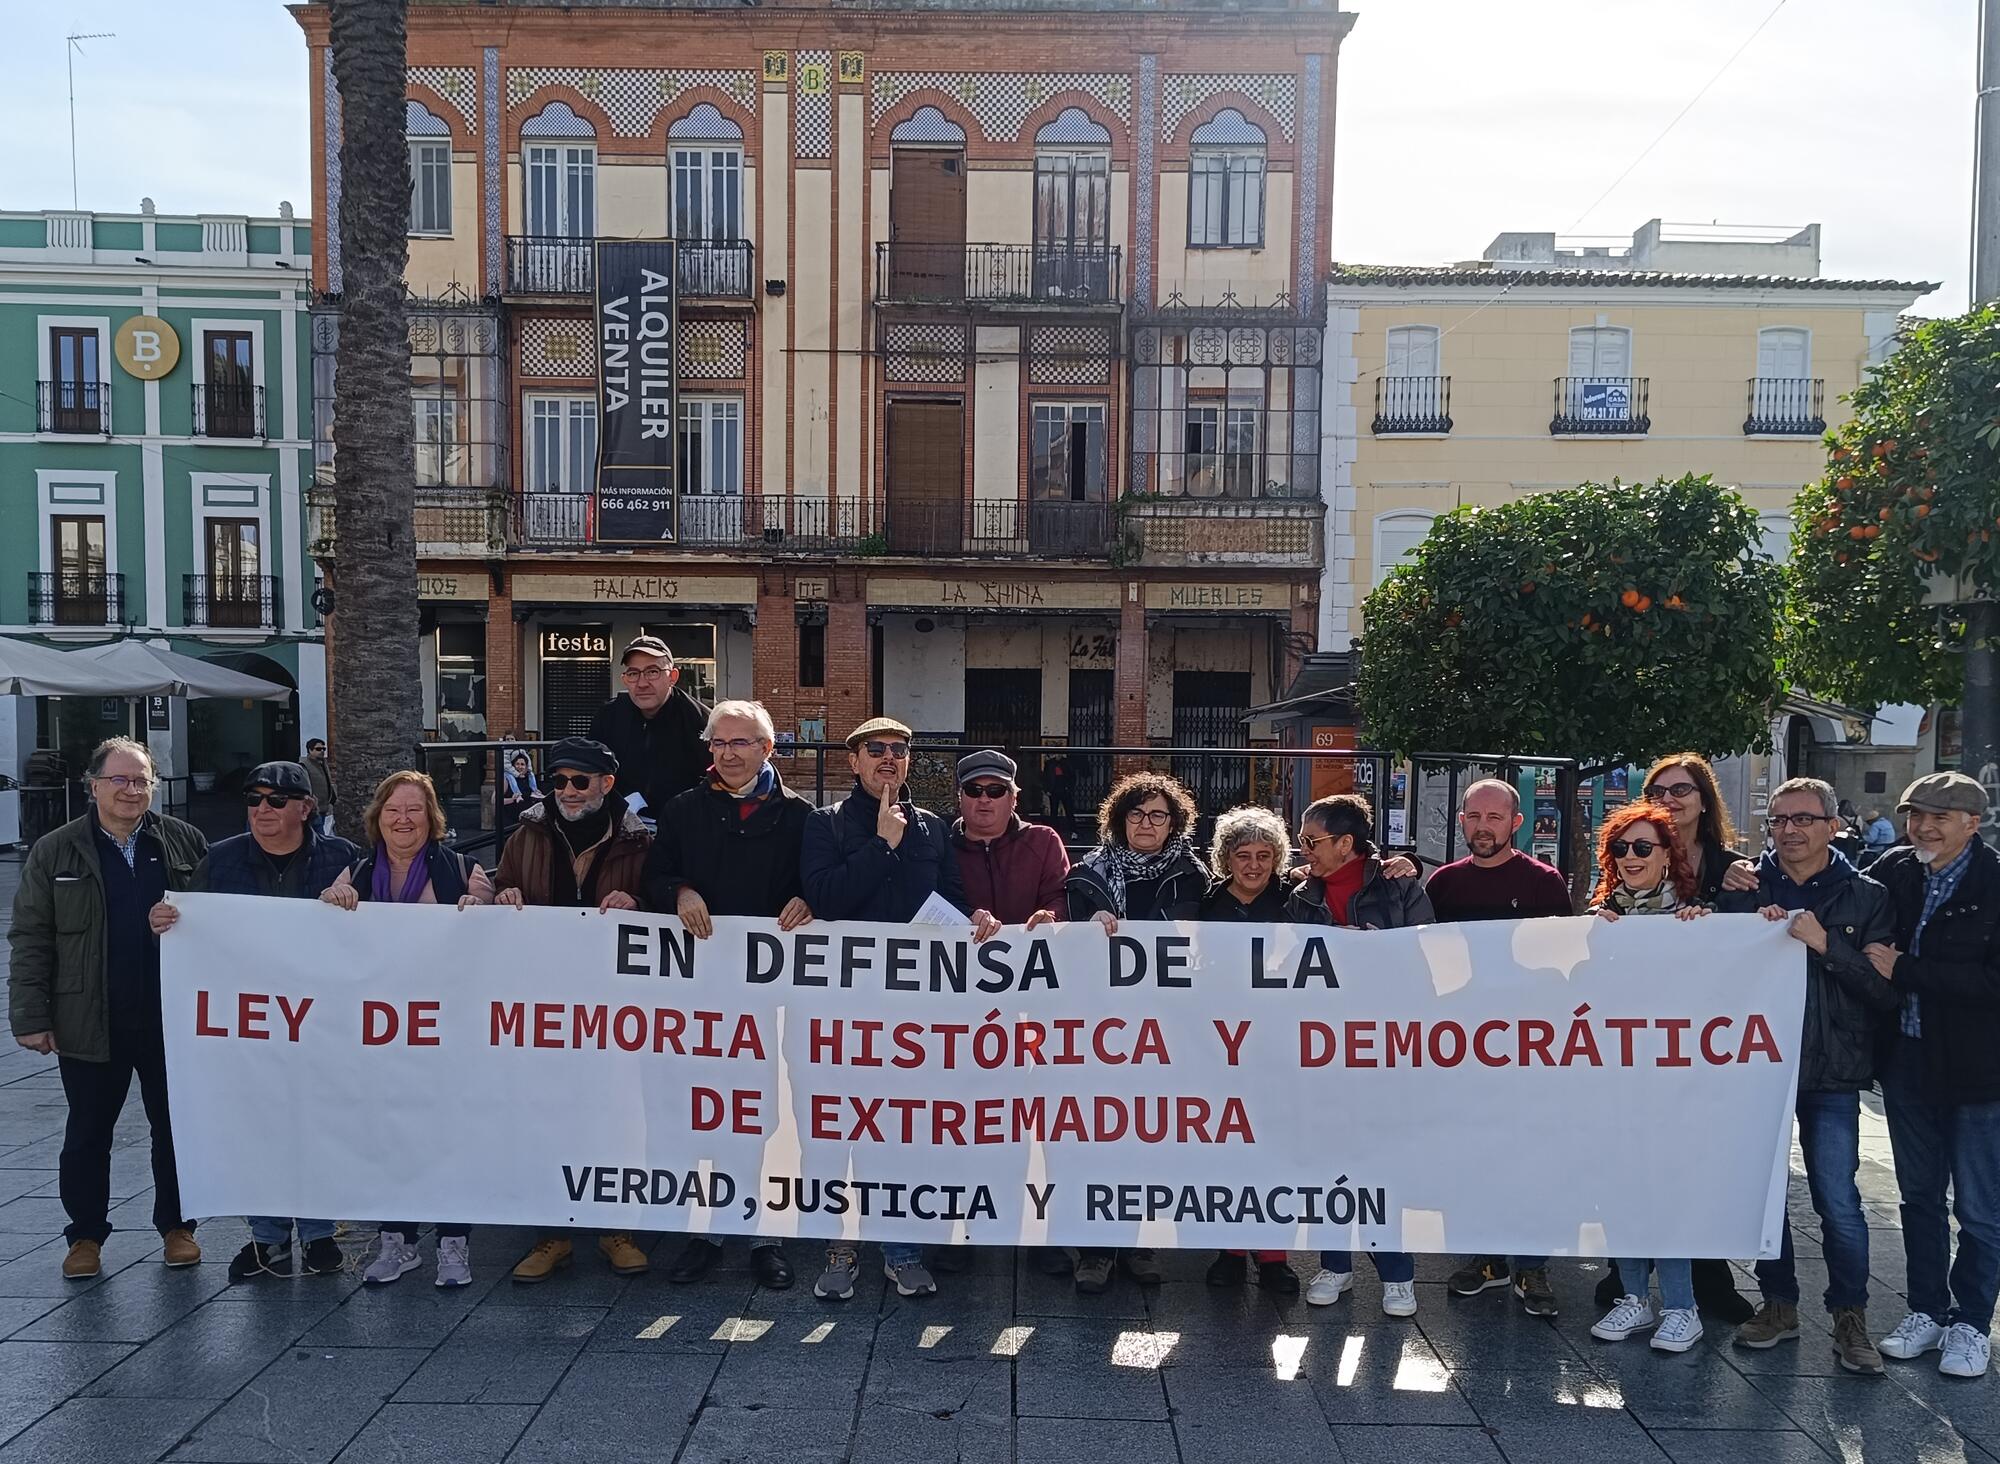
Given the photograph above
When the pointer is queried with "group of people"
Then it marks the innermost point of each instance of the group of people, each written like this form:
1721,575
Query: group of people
1903,970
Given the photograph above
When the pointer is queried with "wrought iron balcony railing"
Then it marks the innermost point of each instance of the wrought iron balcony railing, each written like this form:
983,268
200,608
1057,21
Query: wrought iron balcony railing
976,528
1412,404
708,269
68,597
230,602
1592,404
1023,274
775,523
1786,406
80,407
228,410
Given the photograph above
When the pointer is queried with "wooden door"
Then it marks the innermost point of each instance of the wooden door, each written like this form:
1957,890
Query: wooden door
927,224
926,488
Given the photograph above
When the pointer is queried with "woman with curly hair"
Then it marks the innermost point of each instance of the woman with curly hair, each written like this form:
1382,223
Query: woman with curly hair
1642,871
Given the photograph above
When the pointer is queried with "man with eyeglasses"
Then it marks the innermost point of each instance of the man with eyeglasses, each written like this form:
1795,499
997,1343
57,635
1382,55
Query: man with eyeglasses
282,856
84,986
1941,1068
1837,913
730,846
657,730
875,855
1013,870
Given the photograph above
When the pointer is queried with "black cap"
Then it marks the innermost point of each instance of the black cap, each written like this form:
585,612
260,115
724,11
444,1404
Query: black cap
998,764
581,754
280,777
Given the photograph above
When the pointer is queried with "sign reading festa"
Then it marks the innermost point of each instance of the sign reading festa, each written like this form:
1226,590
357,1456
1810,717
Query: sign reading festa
636,492
1173,1085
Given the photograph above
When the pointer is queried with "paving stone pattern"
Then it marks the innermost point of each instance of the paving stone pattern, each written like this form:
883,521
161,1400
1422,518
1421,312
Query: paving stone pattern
1006,1365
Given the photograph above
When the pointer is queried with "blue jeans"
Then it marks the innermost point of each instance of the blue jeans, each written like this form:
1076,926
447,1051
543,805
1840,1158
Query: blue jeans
1938,1144
1676,1281
273,1230
901,1255
1390,1266
1830,1138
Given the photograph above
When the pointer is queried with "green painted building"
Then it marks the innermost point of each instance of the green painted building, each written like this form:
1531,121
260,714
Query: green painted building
155,438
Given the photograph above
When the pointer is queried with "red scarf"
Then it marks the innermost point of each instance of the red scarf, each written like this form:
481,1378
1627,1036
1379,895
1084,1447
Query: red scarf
1340,888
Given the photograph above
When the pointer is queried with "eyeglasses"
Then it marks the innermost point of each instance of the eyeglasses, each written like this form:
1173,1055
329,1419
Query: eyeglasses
985,790
647,673
276,800
123,781
578,781
897,750
1778,822
1644,848
1671,790
734,744
1152,818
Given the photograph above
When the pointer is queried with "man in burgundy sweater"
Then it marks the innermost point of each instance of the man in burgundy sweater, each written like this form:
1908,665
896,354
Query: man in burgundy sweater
1012,869
1496,881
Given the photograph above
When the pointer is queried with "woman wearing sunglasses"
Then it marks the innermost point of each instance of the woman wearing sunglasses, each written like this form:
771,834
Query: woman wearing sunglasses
1641,871
410,865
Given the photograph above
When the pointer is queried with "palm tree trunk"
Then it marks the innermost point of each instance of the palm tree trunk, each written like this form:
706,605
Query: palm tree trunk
373,633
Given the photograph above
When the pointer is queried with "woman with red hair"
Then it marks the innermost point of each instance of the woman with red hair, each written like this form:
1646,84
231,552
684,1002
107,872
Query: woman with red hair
1642,871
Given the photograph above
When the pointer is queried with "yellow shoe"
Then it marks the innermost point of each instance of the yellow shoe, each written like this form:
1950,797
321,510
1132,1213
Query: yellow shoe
83,1261
181,1249
625,1258
549,1256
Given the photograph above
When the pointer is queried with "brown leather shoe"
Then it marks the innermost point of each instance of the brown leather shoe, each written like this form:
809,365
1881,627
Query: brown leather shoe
625,1258
181,1249
551,1254
83,1261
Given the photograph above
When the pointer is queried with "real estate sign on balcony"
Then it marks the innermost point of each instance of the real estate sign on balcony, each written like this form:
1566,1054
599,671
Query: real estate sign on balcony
635,391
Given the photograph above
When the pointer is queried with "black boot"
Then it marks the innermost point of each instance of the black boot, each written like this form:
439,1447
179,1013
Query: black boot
1715,1293
1611,1289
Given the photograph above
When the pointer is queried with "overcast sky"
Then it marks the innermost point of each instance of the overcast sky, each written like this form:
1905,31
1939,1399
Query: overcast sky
1457,119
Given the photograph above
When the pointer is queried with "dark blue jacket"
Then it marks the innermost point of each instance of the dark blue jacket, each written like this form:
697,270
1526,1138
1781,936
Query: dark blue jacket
450,874
237,866
850,873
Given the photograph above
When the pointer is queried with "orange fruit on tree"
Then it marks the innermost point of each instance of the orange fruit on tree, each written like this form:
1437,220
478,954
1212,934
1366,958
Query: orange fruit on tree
1859,531
1629,599
1842,483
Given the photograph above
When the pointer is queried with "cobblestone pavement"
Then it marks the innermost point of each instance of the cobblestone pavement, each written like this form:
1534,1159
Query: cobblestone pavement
1006,1365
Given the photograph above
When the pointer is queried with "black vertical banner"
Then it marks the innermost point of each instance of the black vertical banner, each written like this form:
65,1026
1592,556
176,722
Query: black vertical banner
636,365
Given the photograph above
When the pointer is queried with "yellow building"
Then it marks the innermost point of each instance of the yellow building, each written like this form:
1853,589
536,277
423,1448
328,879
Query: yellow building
1538,367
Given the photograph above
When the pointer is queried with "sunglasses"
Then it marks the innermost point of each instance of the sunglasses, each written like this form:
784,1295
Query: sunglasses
578,781
276,800
1671,790
897,750
985,790
1644,848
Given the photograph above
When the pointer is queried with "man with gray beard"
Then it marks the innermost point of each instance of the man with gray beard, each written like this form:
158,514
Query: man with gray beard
579,848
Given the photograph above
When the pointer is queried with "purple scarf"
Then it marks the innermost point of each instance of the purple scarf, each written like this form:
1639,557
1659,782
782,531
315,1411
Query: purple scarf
413,882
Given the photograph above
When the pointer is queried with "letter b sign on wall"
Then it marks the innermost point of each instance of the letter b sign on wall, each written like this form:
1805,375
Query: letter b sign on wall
147,347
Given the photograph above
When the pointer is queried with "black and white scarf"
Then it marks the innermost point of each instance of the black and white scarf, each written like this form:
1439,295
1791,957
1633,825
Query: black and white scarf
1121,866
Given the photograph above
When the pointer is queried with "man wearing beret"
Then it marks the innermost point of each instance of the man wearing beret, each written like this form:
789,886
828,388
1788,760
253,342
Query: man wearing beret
579,848
1012,869
1941,1069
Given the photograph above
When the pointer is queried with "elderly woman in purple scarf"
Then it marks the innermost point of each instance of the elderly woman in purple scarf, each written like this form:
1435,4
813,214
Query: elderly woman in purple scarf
410,866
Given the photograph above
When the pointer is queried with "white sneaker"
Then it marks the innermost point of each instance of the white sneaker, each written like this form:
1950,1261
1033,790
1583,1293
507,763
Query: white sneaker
1399,1298
395,1260
1915,1335
1632,1314
1679,1330
454,1261
1326,1287
1966,1352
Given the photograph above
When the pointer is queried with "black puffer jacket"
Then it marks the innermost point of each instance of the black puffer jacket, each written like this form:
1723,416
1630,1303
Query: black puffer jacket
1176,897
738,865
1380,904
1957,977
1847,1003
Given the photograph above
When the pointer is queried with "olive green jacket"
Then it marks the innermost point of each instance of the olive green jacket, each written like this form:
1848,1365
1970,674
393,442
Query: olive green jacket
56,981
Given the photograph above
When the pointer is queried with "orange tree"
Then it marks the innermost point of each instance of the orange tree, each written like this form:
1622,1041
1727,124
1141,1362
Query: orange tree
1606,623
1904,528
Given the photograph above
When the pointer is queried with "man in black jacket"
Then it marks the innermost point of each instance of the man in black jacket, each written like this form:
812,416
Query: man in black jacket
658,731
1941,1069
1837,913
730,846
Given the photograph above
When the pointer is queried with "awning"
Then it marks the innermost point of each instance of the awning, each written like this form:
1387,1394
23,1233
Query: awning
27,669
142,665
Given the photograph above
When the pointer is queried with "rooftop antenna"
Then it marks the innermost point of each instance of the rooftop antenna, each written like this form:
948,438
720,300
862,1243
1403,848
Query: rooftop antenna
72,46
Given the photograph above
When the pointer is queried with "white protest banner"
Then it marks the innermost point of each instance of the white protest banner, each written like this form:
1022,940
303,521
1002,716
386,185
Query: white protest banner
1175,1085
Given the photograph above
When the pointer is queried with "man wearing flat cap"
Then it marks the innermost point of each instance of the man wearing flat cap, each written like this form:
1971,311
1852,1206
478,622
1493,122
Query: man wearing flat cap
579,848
1012,869
1940,1069
654,729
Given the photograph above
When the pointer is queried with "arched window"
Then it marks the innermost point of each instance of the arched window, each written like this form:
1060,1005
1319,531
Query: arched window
430,170
1396,534
705,150
1073,208
1226,183
928,125
562,174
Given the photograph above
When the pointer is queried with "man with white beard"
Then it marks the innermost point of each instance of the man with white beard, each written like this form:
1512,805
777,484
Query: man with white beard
579,848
